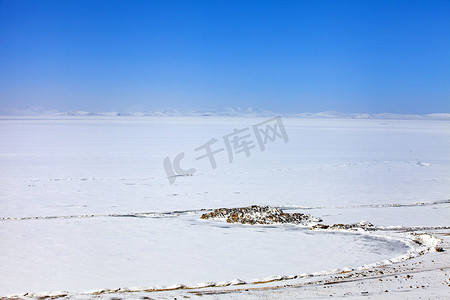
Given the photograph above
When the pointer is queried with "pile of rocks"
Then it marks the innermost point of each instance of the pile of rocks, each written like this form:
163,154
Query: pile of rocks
364,225
256,214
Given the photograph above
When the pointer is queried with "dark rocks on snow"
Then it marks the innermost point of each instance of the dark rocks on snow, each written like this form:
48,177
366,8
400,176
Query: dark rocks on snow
255,214
361,225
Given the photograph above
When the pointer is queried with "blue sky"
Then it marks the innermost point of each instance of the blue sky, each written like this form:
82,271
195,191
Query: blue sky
285,56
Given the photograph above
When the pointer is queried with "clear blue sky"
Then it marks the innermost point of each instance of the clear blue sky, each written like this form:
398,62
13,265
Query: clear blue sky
286,56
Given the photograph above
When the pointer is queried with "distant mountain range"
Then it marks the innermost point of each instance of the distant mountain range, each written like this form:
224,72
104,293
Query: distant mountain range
227,112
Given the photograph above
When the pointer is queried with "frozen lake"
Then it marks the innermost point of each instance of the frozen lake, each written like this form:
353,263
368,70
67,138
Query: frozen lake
342,170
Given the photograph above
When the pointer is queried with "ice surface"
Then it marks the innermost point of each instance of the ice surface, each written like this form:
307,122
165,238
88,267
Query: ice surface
343,168
88,254
109,165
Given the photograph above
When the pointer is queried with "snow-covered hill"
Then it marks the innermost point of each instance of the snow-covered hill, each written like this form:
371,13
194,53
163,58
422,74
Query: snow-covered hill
225,112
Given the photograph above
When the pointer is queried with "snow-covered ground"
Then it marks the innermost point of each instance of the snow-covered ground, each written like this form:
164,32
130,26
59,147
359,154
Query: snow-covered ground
86,203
